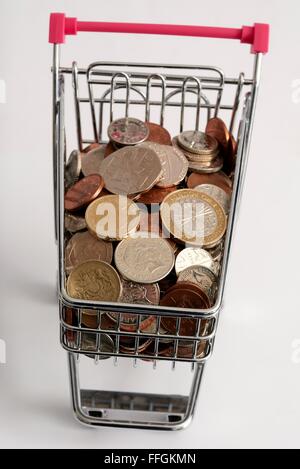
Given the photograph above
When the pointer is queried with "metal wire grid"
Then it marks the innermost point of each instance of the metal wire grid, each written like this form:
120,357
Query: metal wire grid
201,344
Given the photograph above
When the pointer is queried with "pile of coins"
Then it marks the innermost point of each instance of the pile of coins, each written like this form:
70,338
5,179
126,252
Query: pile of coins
145,220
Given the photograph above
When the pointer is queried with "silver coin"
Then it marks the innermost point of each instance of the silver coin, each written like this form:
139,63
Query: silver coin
74,223
193,256
92,160
202,277
217,251
216,193
128,131
104,344
195,141
73,168
213,167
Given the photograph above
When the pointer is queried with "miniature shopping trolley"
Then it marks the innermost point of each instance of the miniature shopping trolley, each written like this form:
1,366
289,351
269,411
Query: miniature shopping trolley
113,89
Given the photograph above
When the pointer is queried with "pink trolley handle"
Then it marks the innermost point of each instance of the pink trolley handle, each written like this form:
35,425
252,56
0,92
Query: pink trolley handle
257,35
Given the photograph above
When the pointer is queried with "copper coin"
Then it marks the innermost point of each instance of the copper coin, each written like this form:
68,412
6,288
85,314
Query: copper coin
130,322
230,156
91,147
84,247
131,170
109,149
91,161
156,195
74,223
184,351
203,277
218,179
217,128
83,192
186,295
158,134
129,346
128,131
69,316
91,319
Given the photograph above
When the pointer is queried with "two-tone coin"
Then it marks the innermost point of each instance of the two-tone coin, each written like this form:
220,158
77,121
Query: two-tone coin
217,193
193,218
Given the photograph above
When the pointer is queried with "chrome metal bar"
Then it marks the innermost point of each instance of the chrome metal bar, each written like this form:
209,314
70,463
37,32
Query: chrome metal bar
77,105
55,129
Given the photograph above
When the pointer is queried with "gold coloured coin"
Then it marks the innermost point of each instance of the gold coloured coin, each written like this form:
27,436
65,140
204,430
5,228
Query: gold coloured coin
193,218
94,281
112,217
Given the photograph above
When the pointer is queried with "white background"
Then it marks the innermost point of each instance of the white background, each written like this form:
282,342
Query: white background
250,392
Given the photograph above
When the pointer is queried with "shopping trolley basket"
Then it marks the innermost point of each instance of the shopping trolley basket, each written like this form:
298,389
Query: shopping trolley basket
174,90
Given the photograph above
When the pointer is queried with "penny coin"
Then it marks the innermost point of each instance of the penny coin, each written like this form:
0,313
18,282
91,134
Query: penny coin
230,156
216,193
130,322
144,260
195,141
89,343
74,223
91,147
218,179
112,217
212,167
186,352
91,161
131,170
158,134
84,247
73,168
109,149
94,281
174,164
131,347
193,218
91,319
193,256
128,131
202,277
217,128
156,195
83,192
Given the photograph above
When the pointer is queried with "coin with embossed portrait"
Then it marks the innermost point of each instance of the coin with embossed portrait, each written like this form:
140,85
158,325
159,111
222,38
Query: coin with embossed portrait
84,247
94,281
131,170
144,260
128,131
